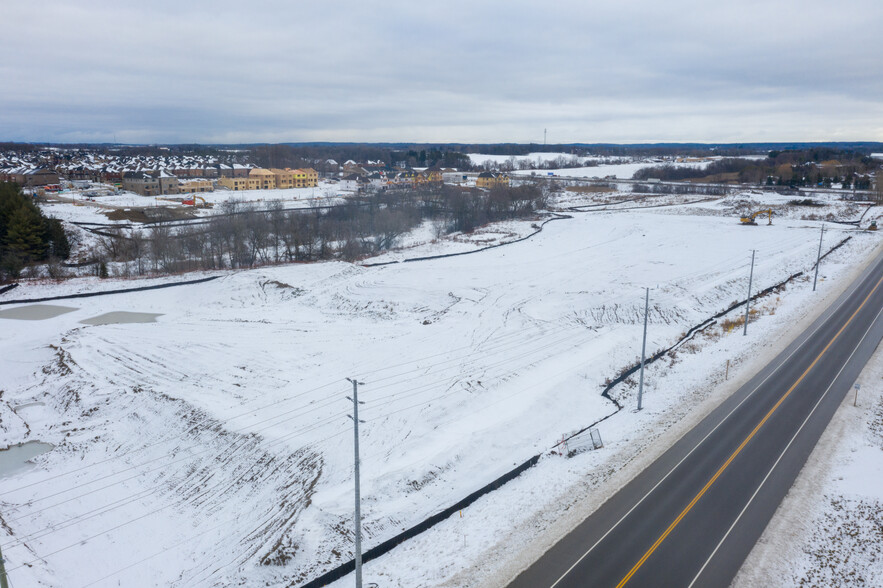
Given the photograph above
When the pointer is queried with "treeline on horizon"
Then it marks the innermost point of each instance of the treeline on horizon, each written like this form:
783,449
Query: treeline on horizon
444,154
815,166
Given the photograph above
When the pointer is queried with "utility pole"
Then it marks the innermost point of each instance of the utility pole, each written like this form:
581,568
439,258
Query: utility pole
3,583
544,137
358,515
748,300
818,259
643,348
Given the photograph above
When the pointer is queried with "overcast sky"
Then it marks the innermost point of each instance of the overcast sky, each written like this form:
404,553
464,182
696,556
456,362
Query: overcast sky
480,71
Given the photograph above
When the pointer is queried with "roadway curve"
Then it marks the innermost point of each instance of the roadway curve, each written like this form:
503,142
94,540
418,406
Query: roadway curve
692,517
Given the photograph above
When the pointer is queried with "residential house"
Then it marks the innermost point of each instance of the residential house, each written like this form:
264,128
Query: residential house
111,175
141,183
491,180
376,181
168,183
406,178
433,175
196,186
284,178
261,179
41,176
150,183
351,183
306,178
351,167
231,183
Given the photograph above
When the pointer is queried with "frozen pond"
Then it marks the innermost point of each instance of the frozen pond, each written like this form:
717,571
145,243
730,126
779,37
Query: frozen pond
118,317
35,312
16,458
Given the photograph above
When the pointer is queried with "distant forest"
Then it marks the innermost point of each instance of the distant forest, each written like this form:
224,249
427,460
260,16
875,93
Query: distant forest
818,166
454,154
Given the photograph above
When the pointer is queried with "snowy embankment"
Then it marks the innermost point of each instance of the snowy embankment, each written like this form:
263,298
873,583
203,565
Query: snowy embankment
212,447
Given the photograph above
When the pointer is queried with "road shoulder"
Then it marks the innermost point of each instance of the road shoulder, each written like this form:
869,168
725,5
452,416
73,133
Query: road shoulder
827,531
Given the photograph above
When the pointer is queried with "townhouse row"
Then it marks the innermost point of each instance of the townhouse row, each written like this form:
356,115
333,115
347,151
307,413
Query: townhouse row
163,183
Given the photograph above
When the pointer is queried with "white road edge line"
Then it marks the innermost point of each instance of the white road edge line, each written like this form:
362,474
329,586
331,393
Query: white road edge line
822,322
781,455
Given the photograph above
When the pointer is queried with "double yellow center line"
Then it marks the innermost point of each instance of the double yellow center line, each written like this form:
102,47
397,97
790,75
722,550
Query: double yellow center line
742,445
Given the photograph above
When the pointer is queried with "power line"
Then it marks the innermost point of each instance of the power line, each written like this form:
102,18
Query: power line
121,502
252,411
404,363
399,396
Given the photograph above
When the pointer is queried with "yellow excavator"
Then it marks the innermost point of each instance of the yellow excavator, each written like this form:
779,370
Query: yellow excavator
192,201
750,219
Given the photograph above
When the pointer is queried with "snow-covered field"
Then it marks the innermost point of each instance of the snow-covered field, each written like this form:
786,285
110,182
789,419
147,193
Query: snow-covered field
535,158
622,171
212,447
596,166
70,206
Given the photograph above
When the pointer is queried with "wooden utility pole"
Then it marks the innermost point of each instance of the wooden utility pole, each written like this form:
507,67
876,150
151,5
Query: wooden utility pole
748,300
358,513
643,348
3,582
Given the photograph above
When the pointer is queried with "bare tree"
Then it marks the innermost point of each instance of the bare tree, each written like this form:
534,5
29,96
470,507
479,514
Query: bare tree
137,249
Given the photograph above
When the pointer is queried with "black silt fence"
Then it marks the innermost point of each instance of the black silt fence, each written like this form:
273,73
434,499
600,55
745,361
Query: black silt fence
102,293
385,547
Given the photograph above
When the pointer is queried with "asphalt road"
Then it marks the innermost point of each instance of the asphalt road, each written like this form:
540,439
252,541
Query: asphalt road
692,517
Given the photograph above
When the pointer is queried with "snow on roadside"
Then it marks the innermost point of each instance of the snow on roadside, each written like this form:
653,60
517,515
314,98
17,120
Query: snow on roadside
829,529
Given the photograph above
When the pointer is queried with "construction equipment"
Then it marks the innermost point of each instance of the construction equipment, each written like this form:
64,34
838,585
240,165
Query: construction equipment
750,219
873,225
192,201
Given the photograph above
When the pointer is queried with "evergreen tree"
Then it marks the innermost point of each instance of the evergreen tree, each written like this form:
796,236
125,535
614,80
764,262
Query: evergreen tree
54,234
24,233
26,236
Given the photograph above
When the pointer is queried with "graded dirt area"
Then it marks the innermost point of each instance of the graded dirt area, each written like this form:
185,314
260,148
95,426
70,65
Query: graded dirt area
150,214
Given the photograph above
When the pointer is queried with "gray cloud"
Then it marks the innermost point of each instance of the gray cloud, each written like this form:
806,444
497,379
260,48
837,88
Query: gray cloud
631,70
